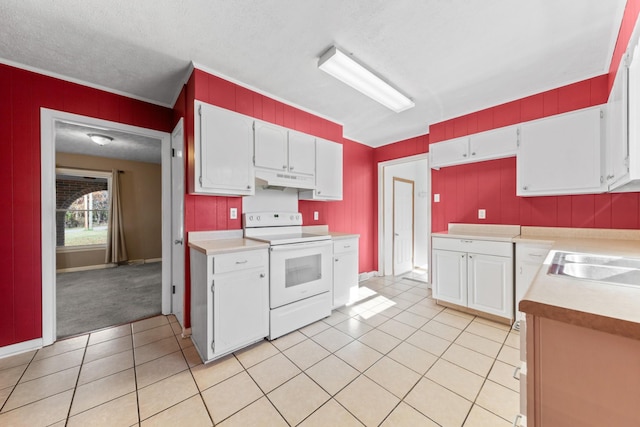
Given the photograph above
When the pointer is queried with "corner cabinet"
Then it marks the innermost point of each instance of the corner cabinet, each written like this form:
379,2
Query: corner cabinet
223,152
229,301
477,274
328,172
529,258
562,154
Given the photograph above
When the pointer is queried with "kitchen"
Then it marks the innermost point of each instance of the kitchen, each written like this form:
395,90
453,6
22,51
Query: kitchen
463,189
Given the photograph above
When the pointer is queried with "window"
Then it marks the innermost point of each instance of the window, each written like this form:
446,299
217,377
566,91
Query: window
82,208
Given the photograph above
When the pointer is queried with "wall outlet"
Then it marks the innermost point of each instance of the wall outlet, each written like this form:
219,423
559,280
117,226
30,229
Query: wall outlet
482,214
315,216
233,213
436,198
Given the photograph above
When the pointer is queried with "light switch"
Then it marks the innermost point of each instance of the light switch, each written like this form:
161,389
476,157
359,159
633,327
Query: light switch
482,214
436,198
233,213
315,216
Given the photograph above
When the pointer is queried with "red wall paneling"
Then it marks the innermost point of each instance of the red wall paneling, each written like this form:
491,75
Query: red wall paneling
24,93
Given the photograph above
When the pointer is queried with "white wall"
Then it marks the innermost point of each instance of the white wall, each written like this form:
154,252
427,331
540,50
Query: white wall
417,171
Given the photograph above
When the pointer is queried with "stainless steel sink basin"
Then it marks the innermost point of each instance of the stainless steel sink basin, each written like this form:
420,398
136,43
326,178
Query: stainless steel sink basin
614,270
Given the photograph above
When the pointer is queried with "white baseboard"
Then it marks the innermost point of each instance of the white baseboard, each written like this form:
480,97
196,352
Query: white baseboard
21,347
367,275
85,268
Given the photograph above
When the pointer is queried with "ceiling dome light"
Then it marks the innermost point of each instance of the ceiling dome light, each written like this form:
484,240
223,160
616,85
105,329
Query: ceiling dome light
100,139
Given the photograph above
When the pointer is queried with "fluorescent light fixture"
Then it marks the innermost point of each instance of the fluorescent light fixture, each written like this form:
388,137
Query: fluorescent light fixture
344,68
100,139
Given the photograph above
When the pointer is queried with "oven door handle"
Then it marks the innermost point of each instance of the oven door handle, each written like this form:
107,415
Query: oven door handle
306,245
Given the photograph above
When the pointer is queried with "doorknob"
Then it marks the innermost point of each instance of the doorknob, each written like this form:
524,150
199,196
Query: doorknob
177,242
396,234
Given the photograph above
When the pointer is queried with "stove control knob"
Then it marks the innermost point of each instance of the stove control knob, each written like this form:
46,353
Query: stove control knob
258,218
297,216
250,217
291,217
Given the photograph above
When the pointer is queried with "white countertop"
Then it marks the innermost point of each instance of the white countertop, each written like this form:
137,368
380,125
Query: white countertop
501,233
601,306
224,246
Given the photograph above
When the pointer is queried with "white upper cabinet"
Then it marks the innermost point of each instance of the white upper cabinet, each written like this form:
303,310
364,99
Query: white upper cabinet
494,144
328,172
223,152
489,145
623,151
617,145
562,154
271,147
301,153
451,152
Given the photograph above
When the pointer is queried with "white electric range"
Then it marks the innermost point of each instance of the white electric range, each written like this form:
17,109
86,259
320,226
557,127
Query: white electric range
300,270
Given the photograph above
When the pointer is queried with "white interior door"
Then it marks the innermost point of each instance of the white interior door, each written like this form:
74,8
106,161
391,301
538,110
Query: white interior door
403,190
177,222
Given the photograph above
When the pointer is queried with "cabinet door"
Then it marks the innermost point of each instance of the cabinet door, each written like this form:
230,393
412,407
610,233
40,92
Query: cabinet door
451,152
490,284
345,277
617,142
271,147
328,170
302,153
450,276
529,258
240,309
561,155
224,152
493,144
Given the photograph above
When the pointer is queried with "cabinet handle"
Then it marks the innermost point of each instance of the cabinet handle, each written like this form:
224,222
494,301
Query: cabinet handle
466,241
319,191
473,154
242,262
464,155
337,259
261,275
290,168
516,421
284,166
347,246
462,255
470,256
248,187
516,373
525,188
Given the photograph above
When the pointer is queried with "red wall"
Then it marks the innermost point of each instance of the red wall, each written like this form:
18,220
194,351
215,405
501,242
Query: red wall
492,185
22,94
355,213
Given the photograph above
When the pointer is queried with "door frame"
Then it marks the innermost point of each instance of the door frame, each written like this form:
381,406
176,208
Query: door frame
48,118
177,205
381,196
413,221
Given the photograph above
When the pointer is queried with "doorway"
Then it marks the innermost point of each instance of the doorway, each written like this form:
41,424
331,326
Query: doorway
413,249
49,120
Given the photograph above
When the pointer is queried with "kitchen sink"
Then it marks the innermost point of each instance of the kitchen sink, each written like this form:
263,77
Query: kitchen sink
599,268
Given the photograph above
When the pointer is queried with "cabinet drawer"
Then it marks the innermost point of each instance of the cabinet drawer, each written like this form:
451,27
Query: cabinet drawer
345,245
475,246
240,261
533,253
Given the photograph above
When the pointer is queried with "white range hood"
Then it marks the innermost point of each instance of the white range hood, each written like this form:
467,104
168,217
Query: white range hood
268,178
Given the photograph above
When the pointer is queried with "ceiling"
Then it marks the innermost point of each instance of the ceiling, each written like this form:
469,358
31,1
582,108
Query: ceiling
73,138
451,57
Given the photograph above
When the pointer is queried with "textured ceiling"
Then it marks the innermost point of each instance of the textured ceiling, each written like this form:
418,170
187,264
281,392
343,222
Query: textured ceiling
73,138
452,57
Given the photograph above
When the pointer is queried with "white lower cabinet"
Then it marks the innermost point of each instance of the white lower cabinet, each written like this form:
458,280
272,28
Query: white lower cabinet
229,301
529,258
345,270
477,274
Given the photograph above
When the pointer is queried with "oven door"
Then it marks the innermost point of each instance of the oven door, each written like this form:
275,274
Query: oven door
299,270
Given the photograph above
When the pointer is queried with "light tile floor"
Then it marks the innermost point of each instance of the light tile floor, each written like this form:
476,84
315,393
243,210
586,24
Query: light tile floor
394,358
